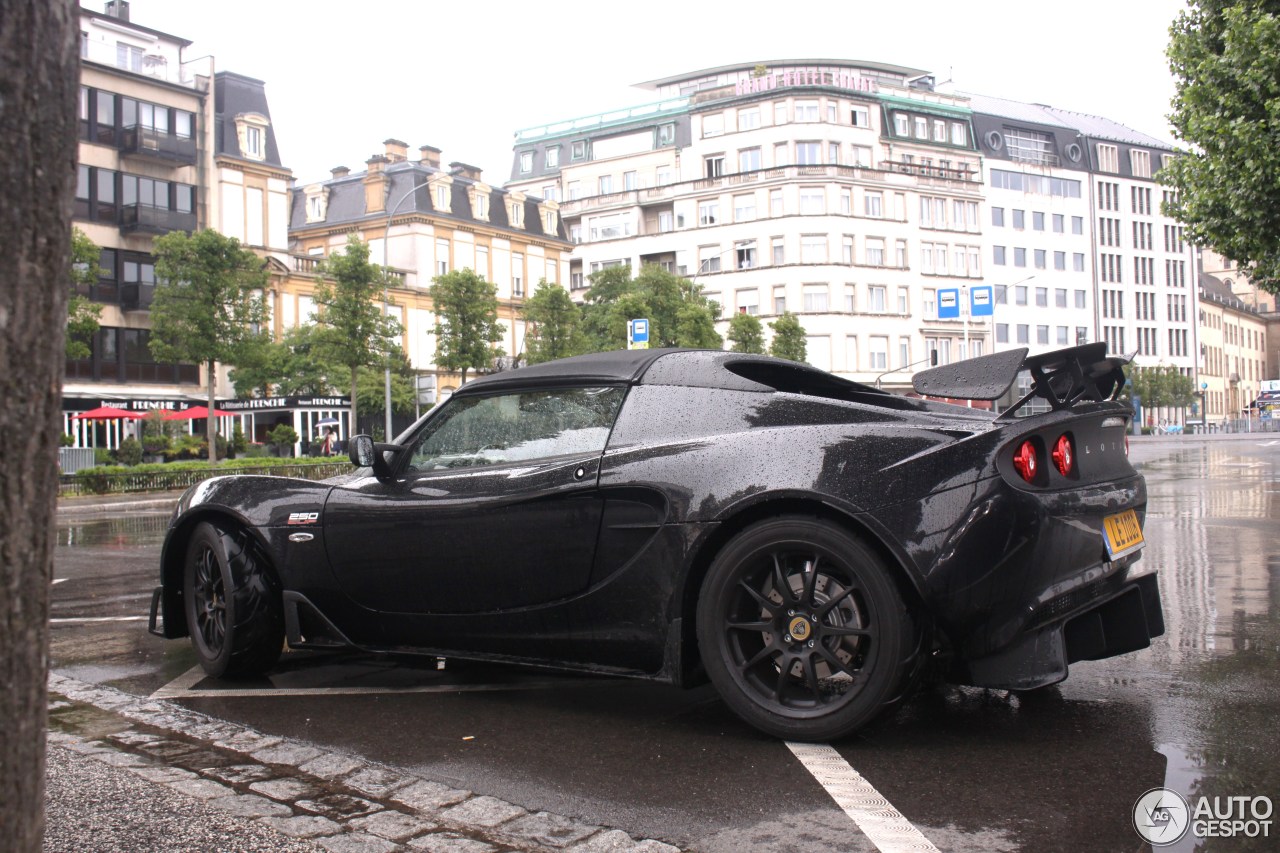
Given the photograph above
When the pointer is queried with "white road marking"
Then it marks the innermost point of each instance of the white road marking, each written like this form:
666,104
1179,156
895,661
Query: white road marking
60,580
884,825
183,686
75,619
1269,443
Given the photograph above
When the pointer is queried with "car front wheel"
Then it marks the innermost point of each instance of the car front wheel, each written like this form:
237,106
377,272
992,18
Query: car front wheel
232,602
802,629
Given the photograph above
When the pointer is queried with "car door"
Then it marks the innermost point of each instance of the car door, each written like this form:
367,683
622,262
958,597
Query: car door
497,507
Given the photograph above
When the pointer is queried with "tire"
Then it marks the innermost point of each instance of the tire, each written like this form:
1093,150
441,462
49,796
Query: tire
232,602
803,630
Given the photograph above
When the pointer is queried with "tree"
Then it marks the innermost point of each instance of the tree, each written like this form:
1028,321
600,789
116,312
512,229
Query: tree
371,385
82,313
355,330
554,325
38,132
788,338
746,333
678,314
208,304
467,324
288,367
1225,57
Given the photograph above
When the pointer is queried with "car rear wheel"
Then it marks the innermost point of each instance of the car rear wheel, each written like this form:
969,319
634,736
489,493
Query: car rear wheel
803,630
232,602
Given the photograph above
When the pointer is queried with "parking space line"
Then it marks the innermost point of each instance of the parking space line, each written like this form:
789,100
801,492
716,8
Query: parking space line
77,619
884,825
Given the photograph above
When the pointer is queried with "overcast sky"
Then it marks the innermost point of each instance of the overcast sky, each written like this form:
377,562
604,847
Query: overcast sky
343,76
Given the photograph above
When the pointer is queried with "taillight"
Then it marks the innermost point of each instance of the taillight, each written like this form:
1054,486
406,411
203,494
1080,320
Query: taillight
1024,461
1064,457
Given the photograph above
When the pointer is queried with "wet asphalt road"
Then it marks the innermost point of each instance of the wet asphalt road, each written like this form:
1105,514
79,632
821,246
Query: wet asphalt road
972,769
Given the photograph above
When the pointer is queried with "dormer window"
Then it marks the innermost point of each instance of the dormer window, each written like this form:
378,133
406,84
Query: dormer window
317,196
251,134
517,214
442,198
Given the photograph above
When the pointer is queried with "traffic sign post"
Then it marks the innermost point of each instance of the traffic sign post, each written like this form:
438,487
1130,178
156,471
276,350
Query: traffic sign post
637,334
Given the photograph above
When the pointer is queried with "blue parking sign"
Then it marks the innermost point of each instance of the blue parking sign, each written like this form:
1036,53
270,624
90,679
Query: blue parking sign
949,303
980,301
637,334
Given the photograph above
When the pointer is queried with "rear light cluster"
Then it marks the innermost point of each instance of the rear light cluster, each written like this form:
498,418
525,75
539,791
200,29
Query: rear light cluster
1027,458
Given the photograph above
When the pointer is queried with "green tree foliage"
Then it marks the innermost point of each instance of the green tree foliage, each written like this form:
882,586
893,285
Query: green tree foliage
788,338
355,331
678,314
467,326
208,303
288,367
554,325
746,334
1161,387
82,313
371,386
1225,56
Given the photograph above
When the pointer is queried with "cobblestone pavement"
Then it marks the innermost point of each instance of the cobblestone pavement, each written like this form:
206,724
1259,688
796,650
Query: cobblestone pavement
199,783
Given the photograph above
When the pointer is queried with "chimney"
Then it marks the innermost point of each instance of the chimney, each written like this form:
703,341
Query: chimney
376,185
339,172
118,9
465,170
430,156
397,151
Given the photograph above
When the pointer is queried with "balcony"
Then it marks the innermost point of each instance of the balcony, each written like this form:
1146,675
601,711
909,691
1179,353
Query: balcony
135,296
143,219
144,142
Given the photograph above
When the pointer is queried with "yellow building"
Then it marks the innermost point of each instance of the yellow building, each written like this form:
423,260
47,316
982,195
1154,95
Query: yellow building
423,220
1233,353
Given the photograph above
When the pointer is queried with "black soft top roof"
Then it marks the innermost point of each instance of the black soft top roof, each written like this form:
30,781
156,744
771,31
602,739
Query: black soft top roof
697,368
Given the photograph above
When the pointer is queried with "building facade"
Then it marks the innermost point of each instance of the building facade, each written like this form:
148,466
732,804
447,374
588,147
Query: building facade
846,192
424,220
1233,350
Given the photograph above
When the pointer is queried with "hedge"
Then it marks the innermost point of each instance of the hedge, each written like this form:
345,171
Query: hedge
113,479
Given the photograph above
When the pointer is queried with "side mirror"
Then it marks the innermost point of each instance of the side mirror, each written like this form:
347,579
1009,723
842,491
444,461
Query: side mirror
366,453
361,452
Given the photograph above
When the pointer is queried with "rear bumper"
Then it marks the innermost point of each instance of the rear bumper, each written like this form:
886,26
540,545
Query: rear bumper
1124,621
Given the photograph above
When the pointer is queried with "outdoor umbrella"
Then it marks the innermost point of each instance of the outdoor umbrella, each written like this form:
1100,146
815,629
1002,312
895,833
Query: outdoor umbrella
195,413
324,422
106,413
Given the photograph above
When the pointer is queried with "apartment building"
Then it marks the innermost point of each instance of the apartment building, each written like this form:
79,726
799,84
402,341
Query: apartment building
1233,350
846,192
423,220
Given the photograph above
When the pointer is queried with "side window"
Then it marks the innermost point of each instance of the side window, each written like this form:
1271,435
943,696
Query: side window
517,427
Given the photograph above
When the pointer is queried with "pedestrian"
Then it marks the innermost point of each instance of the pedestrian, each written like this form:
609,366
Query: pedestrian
326,448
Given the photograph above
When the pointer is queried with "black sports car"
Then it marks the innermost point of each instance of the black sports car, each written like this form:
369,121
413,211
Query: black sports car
810,544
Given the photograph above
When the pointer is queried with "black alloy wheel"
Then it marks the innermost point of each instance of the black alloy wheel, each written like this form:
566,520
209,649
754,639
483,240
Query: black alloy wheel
232,601
803,630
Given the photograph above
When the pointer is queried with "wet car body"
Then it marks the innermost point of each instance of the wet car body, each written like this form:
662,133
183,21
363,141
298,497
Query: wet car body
597,560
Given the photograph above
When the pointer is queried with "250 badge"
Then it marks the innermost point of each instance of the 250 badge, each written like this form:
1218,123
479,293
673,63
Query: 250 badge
304,517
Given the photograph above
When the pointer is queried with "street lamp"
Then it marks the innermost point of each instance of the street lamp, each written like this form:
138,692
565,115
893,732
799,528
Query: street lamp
386,304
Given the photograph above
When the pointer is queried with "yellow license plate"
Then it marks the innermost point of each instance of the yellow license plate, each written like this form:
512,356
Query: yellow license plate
1122,533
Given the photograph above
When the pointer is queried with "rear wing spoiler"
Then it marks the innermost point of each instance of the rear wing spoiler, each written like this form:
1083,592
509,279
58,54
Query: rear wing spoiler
1062,378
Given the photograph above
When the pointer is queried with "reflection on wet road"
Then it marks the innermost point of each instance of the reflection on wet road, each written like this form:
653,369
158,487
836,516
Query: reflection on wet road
1056,769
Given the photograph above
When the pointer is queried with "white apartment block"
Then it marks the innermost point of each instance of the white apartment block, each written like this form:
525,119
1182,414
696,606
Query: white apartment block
845,192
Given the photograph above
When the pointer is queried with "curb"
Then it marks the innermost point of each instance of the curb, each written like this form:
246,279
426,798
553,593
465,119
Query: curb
337,801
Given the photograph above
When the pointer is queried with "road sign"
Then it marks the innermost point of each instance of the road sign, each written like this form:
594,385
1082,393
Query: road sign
981,303
949,304
637,334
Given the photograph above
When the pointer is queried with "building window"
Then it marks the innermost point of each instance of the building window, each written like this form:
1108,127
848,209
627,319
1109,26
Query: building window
744,207
873,204
779,299
526,161
1040,259
749,301
815,298
128,57
551,159
875,251
606,184
666,134
1108,158
629,181
1059,260
997,217
1029,146
775,202
708,212
713,167
516,214
1019,257
813,249
860,117
878,352
551,192
779,251
1077,225
517,274
959,133
808,153
749,119
901,124
578,151
812,201
442,257
1058,223
666,221
861,156
921,125
713,124
745,255
846,250
806,111
1140,162
749,160
709,259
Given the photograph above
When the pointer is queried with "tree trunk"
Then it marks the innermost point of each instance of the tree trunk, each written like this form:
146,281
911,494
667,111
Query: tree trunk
38,80
352,428
210,424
